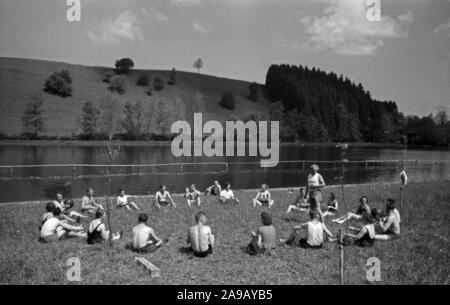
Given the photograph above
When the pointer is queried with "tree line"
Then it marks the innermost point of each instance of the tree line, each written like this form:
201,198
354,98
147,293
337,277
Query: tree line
316,106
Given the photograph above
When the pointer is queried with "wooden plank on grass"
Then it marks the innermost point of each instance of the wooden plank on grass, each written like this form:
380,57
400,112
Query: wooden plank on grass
152,269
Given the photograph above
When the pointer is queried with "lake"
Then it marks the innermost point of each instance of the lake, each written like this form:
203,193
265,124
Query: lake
42,183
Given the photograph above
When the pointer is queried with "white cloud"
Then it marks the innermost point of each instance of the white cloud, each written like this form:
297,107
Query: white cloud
184,2
115,30
153,14
199,28
443,29
344,29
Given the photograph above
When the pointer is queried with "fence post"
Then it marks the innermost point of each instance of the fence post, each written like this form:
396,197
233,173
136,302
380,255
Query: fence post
11,172
303,165
226,167
74,171
341,257
181,168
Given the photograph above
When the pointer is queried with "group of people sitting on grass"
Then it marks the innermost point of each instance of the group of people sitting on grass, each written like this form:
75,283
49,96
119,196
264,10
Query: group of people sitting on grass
59,222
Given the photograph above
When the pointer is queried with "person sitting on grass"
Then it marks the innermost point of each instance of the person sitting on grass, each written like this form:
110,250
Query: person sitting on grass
365,236
144,239
390,224
264,240
214,189
332,206
315,230
162,197
200,237
88,204
357,215
59,202
192,196
54,229
301,202
263,197
124,202
49,208
227,195
69,215
97,232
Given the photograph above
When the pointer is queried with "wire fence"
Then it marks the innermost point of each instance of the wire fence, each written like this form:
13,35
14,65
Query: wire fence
78,171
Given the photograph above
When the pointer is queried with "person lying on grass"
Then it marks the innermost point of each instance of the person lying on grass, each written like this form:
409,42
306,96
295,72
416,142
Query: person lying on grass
365,236
355,214
214,190
143,238
163,198
301,202
88,204
264,240
200,237
263,197
390,224
123,201
332,206
54,229
315,230
227,195
192,196
97,232
69,215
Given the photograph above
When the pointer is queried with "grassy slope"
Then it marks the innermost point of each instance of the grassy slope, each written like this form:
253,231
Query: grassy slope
20,78
420,256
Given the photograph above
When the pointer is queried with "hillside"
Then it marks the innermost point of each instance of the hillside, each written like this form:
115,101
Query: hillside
21,78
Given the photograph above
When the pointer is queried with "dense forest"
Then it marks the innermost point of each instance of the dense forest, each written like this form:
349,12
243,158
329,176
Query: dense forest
317,106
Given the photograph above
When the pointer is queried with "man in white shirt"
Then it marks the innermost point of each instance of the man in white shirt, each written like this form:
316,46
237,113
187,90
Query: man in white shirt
122,201
227,195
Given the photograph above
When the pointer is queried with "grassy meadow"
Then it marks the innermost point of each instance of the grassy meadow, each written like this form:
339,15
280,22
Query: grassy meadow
420,256
21,78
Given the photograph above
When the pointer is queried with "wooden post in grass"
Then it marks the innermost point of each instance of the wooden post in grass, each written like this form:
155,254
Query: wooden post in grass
341,257
152,269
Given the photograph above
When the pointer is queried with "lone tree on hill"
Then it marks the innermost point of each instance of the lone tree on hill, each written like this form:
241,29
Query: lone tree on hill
198,64
173,77
59,83
124,65
32,120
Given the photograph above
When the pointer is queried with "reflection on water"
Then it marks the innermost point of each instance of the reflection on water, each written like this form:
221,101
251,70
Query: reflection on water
243,176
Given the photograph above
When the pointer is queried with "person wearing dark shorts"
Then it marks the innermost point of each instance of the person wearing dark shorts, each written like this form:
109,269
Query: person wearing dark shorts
144,239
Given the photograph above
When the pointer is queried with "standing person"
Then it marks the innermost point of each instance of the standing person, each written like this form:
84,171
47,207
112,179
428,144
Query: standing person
88,204
263,197
144,239
315,184
227,195
123,201
355,214
97,232
332,205
54,228
389,225
200,237
264,240
192,196
301,202
162,197
315,230
214,189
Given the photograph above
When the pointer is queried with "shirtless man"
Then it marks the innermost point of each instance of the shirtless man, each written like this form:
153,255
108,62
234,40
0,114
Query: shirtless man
162,197
88,204
389,225
214,189
200,236
144,239
192,196
54,229
315,184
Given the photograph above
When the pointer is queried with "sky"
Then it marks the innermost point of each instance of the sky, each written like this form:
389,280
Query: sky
403,57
